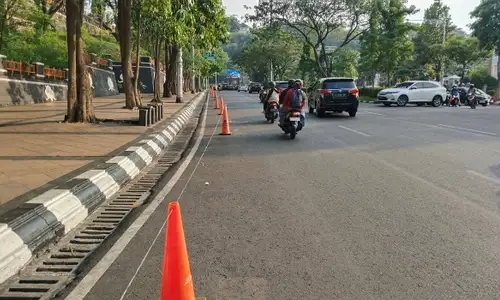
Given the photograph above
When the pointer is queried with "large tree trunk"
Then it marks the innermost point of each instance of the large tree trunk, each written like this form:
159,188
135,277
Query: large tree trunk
124,20
138,100
157,84
79,107
498,74
170,67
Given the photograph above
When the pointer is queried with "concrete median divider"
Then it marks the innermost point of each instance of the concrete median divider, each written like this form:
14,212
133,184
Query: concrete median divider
44,219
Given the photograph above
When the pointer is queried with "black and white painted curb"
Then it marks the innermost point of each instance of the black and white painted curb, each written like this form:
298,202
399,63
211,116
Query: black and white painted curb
57,211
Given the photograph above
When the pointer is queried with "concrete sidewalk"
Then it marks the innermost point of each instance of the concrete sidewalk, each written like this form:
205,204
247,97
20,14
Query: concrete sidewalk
38,152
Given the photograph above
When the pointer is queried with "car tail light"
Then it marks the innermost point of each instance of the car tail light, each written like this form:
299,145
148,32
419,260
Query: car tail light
324,92
354,92
296,114
493,100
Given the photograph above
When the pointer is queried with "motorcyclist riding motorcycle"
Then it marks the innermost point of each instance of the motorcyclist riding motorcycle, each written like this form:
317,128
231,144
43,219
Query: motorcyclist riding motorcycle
287,102
272,96
471,93
456,95
291,84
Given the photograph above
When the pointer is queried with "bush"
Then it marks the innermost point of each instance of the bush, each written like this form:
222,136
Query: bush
370,92
492,92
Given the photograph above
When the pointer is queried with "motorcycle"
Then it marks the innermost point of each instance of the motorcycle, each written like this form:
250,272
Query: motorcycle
453,101
272,112
292,123
472,101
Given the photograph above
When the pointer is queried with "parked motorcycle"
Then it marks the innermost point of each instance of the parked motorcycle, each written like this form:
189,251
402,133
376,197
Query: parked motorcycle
272,112
292,123
472,100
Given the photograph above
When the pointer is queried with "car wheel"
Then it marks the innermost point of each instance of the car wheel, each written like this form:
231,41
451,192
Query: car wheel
402,100
352,113
311,110
484,104
387,104
320,113
436,101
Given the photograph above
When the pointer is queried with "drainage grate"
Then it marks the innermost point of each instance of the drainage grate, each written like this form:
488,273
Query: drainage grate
49,274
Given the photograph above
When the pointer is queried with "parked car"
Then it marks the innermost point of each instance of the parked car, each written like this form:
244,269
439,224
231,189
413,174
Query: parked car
418,92
254,87
333,94
243,88
281,85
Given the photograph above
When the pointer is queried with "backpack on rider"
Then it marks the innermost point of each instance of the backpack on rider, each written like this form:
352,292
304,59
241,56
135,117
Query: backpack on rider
296,99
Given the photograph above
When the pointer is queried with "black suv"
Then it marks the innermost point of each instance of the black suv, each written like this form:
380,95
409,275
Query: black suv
335,95
254,87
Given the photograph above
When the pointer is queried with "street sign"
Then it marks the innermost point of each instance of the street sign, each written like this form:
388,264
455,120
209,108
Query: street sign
233,74
209,55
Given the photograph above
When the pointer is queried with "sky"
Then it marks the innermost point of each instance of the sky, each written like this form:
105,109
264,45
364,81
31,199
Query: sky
459,9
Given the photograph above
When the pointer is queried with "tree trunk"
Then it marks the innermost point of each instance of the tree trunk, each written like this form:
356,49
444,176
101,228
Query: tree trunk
80,107
170,69
157,89
498,73
137,96
124,20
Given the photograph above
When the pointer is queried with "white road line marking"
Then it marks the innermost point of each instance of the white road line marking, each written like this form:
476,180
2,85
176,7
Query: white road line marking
491,179
372,113
84,287
467,129
352,130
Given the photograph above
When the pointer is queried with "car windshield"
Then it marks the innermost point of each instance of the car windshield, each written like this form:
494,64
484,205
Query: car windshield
405,85
281,85
339,84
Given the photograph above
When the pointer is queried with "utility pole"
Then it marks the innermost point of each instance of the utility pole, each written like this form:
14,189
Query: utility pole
193,78
442,59
180,78
271,77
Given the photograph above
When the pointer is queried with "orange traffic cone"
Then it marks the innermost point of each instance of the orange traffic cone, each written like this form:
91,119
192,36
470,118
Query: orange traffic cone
221,106
216,102
225,123
176,282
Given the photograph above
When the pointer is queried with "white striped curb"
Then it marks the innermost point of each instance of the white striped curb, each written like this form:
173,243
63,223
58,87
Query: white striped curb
57,211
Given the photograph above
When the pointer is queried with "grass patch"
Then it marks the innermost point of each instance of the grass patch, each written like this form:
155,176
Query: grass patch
366,98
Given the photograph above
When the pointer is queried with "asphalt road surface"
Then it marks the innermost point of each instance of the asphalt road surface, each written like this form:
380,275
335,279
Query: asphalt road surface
397,203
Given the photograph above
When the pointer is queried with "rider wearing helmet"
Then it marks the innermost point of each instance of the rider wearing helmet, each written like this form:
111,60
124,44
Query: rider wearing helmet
272,95
455,94
291,85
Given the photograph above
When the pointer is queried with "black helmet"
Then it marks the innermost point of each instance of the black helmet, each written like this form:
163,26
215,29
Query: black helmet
291,83
471,85
271,85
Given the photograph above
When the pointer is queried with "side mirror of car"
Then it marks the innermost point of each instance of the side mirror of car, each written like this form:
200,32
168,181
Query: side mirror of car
413,88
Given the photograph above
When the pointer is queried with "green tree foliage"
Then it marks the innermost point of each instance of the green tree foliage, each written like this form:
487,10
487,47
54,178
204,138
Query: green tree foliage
370,43
394,42
9,9
487,28
269,45
345,62
429,48
465,51
480,77
314,21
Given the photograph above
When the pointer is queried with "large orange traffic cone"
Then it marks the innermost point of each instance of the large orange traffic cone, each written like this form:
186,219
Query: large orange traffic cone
216,102
225,123
176,282
221,106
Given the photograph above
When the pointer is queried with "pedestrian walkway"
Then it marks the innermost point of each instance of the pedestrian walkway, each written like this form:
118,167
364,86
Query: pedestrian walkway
39,152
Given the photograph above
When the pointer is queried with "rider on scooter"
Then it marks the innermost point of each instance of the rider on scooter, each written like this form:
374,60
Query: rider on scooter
272,96
287,102
455,94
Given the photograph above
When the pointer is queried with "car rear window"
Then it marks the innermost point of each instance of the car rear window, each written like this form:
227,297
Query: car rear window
339,84
281,85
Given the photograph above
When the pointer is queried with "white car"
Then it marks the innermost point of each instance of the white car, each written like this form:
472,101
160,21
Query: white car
418,92
243,88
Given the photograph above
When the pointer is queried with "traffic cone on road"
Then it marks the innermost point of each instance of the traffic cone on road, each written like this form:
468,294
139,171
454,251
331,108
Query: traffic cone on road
216,102
221,106
176,282
225,122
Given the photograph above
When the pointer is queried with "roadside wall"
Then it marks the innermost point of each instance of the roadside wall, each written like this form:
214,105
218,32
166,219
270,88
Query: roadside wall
16,91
